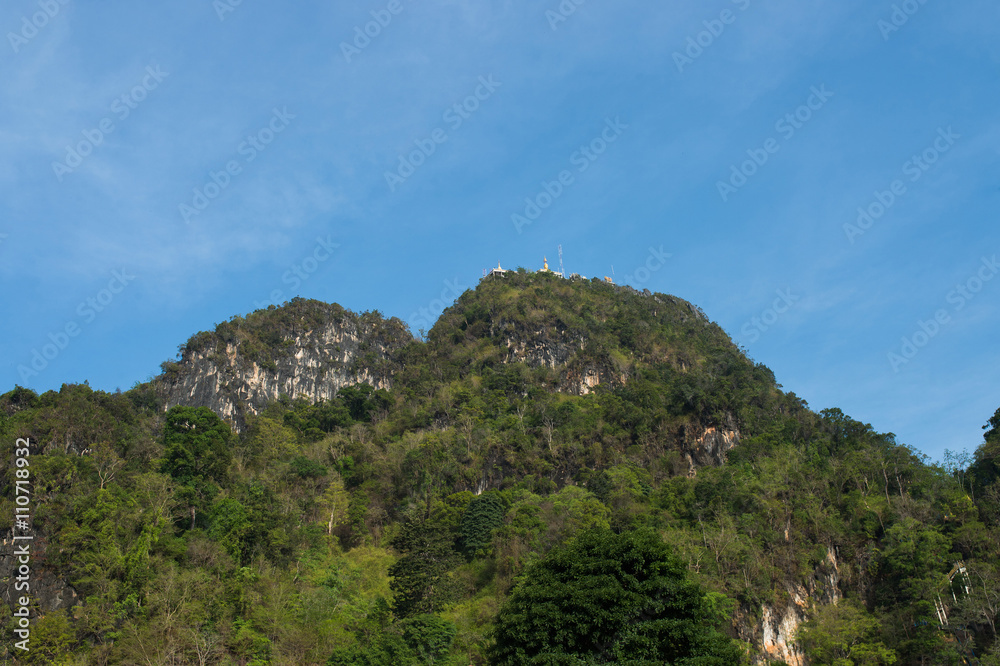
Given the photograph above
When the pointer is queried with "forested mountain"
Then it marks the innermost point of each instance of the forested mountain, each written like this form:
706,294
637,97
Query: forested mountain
564,471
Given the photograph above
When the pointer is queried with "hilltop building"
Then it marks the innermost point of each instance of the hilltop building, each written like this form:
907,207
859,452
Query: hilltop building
500,272
545,268
496,272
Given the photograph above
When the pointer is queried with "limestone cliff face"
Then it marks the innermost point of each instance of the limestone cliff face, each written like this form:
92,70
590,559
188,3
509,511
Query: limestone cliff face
584,358
772,634
700,445
561,346
708,446
309,357
561,351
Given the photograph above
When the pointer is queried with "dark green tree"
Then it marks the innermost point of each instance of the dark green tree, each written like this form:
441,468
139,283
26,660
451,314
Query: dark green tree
428,636
362,401
197,453
420,581
985,471
610,598
388,649
483,516
987,465
418,640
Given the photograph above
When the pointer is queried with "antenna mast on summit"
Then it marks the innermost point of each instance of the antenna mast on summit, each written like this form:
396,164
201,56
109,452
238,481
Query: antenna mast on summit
561,269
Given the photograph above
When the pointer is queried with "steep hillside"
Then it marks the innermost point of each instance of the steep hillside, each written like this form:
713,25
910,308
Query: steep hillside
387,500
584,333
527,333
592,331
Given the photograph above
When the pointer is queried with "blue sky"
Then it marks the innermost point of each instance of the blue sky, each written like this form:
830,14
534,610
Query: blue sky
164,168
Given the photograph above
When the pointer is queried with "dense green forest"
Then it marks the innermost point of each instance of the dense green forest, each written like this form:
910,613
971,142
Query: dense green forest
485,510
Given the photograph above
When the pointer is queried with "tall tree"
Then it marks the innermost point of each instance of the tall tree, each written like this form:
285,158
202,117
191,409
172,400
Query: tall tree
610,598
985,471
482,518
420,581
197,453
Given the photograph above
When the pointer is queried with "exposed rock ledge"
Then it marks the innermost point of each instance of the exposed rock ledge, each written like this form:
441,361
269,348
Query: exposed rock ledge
314,364
772,637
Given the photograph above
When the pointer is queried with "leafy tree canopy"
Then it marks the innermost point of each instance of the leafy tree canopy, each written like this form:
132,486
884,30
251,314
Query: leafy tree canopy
610,598
196,444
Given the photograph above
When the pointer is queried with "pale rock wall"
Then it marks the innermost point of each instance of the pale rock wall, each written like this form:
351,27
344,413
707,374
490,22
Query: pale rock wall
773,636
709,447
316,365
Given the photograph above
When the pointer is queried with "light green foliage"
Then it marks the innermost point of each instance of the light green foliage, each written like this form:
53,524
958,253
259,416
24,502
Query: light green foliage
267,440
534,524
334,504
913,561
570,510
844,635
624,489
250,644
51,641
388,649
232,527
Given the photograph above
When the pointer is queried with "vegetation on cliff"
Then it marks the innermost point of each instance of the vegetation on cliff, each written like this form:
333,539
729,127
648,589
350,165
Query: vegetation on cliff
264,336
416,525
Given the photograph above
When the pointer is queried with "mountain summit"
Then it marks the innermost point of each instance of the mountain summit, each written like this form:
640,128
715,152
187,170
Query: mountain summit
572,336
308,485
